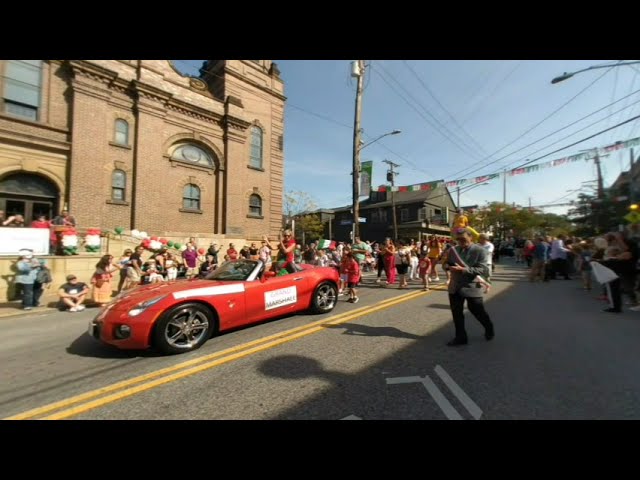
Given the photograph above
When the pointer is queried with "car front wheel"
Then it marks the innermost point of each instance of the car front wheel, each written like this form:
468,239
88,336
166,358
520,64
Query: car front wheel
184,328
324,298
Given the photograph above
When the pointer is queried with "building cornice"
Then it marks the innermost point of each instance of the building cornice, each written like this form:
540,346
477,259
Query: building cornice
86,69
255,84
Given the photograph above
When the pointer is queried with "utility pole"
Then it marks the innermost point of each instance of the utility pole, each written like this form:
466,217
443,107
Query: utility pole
391,176
600,186
357,70
458,195
504,186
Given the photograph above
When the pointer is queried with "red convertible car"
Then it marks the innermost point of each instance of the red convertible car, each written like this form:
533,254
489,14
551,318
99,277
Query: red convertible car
181,316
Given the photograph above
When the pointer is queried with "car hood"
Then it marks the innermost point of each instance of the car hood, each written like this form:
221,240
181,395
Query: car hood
131,298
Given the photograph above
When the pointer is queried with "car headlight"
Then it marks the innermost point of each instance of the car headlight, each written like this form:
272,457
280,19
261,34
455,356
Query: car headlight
141,307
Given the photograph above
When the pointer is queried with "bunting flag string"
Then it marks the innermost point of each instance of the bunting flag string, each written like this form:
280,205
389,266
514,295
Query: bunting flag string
586,156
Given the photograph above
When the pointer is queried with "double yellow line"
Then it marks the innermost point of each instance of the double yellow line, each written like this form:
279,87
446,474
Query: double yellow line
102,396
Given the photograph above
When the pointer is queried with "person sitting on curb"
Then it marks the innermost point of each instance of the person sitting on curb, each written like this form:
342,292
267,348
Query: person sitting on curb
72,294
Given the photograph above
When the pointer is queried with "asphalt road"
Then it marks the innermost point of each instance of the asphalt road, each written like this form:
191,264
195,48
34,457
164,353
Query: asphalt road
555,356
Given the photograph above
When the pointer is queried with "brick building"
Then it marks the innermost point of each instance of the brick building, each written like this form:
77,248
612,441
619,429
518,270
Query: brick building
137,144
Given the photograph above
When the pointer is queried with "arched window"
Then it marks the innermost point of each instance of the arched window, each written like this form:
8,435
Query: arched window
118,185
255,159
193,154
122,132
191,197
255,206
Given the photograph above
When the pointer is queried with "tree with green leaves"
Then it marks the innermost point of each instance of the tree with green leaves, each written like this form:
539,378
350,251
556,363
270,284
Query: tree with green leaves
298,207
505,220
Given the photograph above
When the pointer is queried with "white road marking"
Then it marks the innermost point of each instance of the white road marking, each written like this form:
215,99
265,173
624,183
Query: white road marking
351,417
397,380
209,291
469,404
444,404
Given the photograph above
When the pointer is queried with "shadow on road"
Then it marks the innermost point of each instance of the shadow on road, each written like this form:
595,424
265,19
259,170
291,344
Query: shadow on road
439,306
369,331
297,367
87,346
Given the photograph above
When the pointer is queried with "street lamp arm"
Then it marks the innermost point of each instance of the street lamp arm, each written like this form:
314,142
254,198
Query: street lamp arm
395,132
567,75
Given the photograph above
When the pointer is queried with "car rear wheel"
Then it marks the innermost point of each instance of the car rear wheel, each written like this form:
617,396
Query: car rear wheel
184,328
324,298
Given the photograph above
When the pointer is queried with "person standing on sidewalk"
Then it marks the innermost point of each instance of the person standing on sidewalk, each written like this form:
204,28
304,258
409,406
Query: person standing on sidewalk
28,267
466,261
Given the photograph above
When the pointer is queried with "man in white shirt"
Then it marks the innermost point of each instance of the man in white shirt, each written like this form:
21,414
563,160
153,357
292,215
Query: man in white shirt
558,258
489,247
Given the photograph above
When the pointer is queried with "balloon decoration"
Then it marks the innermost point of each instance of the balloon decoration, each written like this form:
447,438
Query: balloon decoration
119,230
201,251
177,245
92,240
70,241
170,243
183,248
135,233
155,244
163,241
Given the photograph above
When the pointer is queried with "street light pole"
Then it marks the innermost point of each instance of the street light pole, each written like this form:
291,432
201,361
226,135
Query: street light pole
357,71
567,75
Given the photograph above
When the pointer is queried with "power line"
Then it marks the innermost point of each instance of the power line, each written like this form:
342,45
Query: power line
413,107
558,131
537,124
492,93
435,98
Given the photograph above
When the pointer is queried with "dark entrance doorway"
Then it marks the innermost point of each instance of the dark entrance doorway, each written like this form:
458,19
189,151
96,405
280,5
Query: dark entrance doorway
29,195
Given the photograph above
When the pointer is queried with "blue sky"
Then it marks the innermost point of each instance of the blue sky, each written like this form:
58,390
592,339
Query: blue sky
454,116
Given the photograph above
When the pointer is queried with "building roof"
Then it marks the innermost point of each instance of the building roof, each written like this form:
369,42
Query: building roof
436,196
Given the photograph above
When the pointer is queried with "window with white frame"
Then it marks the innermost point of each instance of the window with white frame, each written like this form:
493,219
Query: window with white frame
22,85
118,185
121,136
255,159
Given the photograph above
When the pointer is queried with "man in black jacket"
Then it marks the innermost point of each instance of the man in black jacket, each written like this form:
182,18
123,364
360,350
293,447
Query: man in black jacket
466,262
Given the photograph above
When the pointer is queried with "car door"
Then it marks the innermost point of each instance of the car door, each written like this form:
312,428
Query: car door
275,296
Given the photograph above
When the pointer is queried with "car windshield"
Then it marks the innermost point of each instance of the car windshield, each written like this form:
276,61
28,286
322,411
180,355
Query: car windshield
238,270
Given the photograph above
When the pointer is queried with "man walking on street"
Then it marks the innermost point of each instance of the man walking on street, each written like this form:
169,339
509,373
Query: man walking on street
466,261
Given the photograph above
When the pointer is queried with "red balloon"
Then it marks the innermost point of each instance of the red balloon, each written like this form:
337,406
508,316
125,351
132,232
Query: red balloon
201,251
154,238
163,241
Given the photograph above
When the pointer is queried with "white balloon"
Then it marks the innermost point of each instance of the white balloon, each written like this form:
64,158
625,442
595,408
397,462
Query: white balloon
183,248
143,235
135,233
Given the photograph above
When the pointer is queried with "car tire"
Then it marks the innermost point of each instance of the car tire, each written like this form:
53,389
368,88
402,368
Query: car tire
325,297
183,328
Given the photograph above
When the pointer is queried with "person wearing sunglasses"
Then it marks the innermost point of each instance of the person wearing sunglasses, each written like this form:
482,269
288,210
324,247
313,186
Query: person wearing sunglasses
286,246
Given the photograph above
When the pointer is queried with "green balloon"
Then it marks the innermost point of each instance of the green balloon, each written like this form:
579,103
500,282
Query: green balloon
177,245
119,230
170,243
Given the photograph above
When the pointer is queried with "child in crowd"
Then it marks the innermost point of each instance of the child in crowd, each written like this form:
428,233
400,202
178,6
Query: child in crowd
352,269
424,268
